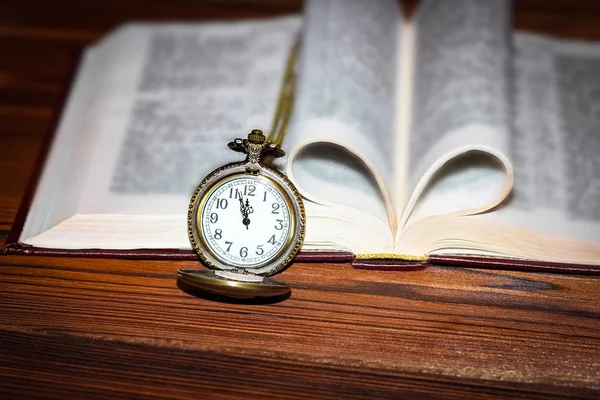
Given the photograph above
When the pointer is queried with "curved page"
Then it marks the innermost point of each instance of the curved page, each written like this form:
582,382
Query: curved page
469,183
460,99
345,97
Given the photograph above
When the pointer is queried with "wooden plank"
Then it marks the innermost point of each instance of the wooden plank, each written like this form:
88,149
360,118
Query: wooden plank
68,367
444,322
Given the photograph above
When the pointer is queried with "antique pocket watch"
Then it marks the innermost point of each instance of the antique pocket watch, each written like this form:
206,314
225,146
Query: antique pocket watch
246,221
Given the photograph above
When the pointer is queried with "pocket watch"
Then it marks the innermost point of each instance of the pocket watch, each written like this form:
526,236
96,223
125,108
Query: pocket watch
246,222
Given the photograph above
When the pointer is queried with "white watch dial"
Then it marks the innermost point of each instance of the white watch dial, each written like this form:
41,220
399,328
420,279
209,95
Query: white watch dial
246,221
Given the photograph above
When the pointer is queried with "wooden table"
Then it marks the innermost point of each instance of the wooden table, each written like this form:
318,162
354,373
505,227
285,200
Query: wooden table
76,328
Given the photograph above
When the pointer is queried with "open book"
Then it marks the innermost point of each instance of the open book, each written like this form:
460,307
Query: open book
446,138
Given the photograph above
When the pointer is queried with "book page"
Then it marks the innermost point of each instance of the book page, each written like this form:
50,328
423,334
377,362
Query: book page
150,115
460,105
55,199
172,98
556,145
346,96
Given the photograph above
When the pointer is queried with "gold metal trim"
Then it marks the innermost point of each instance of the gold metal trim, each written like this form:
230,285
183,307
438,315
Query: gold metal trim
390,256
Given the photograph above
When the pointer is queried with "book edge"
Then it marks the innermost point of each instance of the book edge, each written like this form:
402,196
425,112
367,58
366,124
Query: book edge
515,264
383,264
12,241
19,248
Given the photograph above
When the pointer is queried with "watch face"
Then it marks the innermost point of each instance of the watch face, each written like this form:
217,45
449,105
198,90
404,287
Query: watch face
246,221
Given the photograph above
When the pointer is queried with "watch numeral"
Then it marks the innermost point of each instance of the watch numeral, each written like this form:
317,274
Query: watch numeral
259,250
218,234
244,252
229,243
237,194
214,217
265,196
272,240
275,207
279,225
222,203
249,190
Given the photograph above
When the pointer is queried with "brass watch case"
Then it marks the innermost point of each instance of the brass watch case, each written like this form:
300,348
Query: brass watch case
253,166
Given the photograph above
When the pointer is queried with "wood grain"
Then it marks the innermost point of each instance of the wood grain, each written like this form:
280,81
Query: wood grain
460,329
78,328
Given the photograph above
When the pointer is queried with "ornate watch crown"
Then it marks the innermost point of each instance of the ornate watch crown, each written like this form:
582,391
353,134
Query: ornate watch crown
256,136
256,147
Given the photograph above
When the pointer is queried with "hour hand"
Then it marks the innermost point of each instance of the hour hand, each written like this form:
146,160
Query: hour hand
246,210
